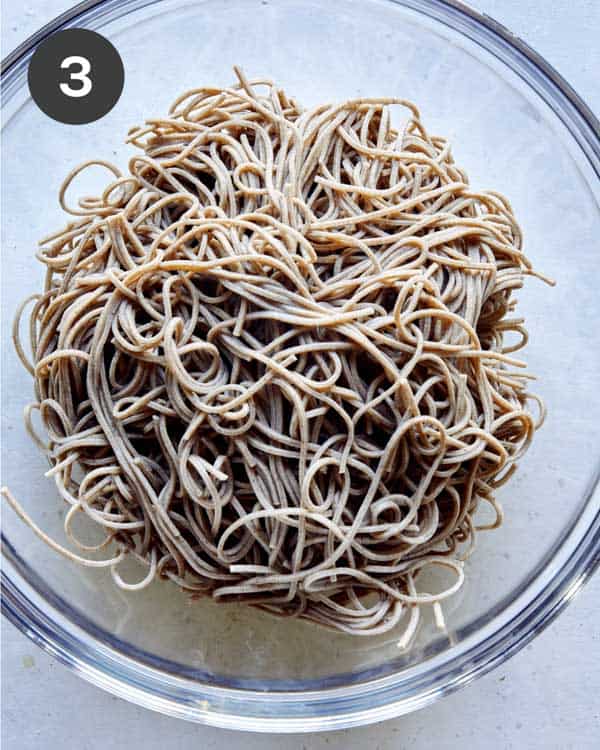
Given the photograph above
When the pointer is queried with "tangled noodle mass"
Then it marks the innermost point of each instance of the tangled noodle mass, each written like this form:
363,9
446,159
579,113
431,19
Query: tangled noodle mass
272,361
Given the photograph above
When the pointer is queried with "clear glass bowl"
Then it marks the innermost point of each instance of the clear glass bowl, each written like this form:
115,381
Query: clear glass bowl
516,127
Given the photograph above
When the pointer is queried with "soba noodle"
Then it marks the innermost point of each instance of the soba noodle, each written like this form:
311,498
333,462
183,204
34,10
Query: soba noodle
272,363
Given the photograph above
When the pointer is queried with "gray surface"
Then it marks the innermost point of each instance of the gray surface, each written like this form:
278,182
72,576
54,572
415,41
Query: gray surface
546,697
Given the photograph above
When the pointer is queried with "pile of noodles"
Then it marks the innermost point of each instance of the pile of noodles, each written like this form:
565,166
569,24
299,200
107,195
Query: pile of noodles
272,361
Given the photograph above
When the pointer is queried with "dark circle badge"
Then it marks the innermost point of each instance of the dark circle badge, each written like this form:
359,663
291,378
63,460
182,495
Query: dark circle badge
76,76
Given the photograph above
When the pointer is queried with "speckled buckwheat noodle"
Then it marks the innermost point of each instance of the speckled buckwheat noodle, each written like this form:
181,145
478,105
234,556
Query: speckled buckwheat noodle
271,363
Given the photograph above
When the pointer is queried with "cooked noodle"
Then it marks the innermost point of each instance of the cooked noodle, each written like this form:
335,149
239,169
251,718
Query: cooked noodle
271,361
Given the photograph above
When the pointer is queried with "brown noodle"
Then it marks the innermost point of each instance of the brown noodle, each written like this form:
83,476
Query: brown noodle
271,361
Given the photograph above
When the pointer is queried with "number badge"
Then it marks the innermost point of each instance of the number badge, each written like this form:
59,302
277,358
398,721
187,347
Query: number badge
76,76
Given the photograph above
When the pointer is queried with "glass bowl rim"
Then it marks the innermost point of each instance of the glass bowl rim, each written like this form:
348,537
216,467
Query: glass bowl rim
550,586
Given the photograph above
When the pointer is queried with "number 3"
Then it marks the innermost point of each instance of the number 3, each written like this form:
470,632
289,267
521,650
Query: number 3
79,75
